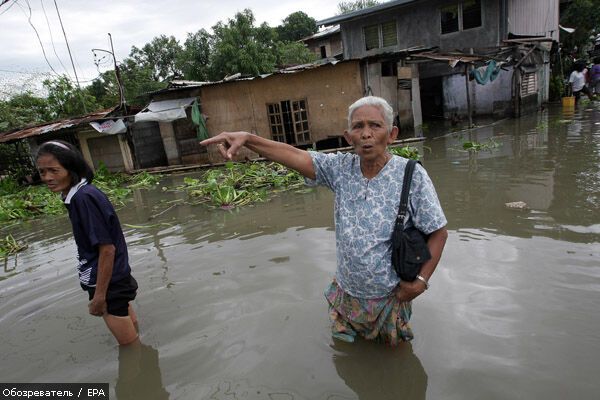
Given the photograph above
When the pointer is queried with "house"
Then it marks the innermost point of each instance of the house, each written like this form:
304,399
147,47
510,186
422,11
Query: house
455,38
305,106
327,43
103,137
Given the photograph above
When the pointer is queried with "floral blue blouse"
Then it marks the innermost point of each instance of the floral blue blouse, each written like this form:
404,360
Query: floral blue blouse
365,213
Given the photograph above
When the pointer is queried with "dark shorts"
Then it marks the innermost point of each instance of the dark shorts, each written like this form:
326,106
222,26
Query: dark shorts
118,295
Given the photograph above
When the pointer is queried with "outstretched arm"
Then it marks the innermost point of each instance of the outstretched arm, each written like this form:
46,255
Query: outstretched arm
229,144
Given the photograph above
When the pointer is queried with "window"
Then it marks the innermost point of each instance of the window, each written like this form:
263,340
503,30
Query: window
471,13
462,16
449,19
389,68
289,121
388,34
381,35
529,84
371,37
323,52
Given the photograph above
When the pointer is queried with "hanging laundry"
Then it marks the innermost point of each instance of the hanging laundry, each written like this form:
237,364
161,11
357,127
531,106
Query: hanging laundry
491,73
198,120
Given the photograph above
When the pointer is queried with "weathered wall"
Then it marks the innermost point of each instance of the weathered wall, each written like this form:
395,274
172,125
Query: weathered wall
149,147
491,98
333,45
419,25
105,149
242,105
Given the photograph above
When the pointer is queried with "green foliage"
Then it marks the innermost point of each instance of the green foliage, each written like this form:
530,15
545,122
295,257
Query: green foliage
293,53
239,46
194,58
239,184
584,16
9,246
474,146
65,100
557,89
406,152
159,56
18,203
346,7
15,160
23,109
296,26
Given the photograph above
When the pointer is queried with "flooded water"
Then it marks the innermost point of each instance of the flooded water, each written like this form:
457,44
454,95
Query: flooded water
231,303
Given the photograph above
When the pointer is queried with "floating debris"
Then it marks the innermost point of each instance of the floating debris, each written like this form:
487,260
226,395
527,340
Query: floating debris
516,205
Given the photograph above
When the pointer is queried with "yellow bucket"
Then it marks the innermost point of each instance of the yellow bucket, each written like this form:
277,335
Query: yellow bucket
568,101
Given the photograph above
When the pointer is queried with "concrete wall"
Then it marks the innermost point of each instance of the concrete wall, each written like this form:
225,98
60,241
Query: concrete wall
419,25
491,98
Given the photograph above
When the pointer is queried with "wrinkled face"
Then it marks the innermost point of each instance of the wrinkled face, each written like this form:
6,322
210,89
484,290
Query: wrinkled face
53,174
369,134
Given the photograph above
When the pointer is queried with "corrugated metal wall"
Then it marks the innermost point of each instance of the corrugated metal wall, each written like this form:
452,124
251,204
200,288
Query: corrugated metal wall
533,17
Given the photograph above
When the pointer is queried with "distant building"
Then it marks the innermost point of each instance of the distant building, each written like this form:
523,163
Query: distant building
414,53
327,43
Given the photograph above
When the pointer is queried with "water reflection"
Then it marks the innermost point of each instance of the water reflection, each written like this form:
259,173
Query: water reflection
379,372
139,374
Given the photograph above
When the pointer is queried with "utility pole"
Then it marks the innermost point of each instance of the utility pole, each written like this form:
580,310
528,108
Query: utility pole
122,102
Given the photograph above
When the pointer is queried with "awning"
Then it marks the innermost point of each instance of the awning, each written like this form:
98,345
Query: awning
165,110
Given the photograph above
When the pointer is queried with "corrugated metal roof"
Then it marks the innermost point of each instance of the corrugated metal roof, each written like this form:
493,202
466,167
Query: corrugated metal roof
365,11
177,85
323,33
54,126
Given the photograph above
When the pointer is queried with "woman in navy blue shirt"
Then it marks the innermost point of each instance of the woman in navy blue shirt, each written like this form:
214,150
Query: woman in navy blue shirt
104,270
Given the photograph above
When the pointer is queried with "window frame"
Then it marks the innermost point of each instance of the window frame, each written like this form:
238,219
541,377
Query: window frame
297,117
368,35
460,16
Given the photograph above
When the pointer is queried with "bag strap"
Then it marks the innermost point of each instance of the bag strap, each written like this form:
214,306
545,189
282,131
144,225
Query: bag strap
408,175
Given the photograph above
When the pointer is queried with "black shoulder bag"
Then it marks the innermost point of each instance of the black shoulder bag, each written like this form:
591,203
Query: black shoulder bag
409,246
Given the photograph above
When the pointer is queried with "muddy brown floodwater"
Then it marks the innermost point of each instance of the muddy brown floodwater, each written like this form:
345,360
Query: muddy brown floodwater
231,302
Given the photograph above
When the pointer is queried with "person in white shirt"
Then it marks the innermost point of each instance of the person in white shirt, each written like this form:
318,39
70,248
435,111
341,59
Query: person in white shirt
577,82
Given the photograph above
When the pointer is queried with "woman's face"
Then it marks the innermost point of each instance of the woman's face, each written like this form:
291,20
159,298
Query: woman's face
369,133
53,174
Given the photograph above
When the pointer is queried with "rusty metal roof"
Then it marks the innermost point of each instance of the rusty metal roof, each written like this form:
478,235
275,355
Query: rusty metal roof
53,126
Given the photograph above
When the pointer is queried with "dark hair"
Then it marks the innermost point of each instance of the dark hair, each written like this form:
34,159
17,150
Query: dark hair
579,66
70,158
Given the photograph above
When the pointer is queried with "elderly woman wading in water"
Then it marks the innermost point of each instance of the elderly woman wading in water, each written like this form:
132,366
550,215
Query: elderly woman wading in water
366,296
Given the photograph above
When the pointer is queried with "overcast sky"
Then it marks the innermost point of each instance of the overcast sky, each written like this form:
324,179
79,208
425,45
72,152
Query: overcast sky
131,23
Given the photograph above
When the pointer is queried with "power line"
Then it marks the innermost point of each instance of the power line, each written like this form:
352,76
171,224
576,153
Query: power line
9,7
51,37
36,34
70,56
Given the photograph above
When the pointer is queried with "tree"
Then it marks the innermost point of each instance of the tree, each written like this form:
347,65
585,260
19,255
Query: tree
105,89
293,53
296,26
23,109
65,100
138,81
346,7
159,56
241,47
193,60
584,16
